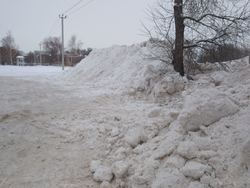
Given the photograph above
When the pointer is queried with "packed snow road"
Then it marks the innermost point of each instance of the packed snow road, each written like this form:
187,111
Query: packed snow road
49,132
40,144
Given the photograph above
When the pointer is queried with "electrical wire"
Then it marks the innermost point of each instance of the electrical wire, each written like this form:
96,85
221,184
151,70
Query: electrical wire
75,5
84,5
70,11
52,27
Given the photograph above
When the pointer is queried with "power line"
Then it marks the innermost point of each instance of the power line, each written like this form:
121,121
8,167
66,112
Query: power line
69,9
84,5
66,11
51,28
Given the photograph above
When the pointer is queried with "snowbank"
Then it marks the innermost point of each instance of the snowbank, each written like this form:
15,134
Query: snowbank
185,142
127,69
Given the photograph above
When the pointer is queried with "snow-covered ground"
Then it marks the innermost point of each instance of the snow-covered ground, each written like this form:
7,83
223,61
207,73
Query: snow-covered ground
120,120
26,71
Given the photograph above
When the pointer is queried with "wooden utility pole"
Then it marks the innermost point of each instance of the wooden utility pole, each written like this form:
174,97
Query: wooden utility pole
40,54
10,51
62,17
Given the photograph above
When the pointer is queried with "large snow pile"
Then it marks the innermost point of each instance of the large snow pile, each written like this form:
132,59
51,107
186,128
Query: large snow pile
203,144
197,139
128,69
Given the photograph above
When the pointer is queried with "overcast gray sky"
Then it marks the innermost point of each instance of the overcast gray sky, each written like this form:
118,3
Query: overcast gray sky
100,24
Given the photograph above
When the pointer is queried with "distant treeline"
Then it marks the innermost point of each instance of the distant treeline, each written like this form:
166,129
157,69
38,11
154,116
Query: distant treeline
223,53
49,54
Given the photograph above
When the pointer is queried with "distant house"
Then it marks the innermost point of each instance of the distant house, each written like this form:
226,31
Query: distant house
37,58
72,59
20,61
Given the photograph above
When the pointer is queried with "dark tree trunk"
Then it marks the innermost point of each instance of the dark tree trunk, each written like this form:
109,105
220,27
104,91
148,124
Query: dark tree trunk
179,37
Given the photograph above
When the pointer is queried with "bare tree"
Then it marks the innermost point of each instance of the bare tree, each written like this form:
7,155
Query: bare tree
74,45
8,43
53,46
192,24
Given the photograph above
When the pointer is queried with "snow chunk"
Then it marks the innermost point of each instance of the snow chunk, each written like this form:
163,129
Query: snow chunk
105,184
196,184
169,85
219,77
204,143
154,113
187,149
115,132
195,169
120,169
94,165
121,153
135,136
103,173
204,107
168,145
169,178
206,154
197,148
149,168
175,161
146,173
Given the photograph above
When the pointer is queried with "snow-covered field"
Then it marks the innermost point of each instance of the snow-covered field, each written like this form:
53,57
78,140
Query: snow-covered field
120,120
26,71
